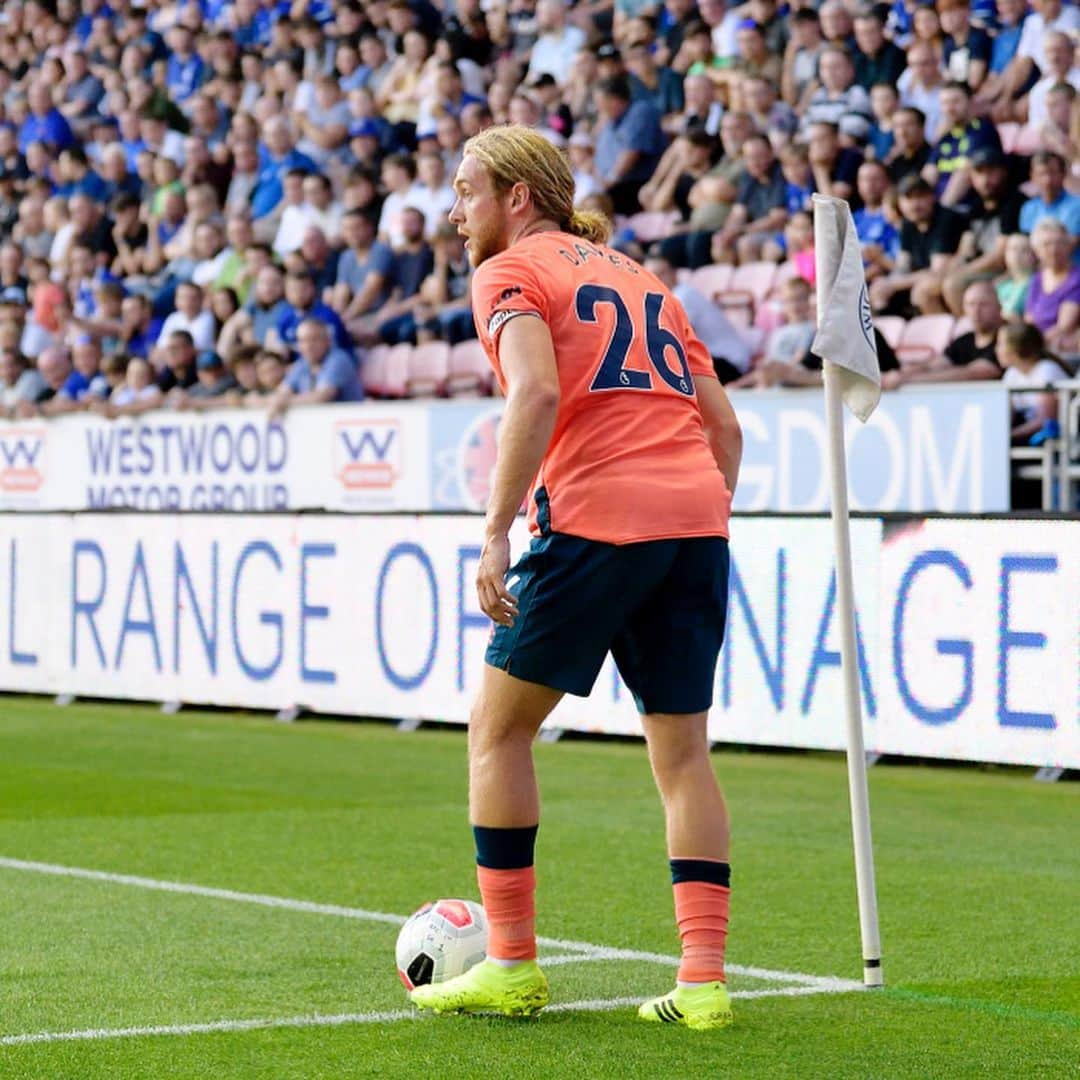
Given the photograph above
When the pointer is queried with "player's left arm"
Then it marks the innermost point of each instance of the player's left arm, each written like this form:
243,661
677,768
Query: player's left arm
527,359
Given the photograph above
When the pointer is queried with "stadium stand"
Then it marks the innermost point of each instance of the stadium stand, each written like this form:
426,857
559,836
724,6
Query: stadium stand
228,168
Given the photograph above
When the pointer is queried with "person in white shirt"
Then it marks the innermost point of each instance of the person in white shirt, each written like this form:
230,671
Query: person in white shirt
557,44
1021,351
583,162
730,351
431,194
399,179
318,209
190,316
920,86
1058,68
1048,15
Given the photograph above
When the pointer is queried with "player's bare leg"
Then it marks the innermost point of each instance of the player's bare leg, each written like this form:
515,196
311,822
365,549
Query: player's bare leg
698,844
504,805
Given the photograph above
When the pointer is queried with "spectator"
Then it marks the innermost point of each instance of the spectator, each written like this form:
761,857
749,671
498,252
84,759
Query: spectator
45,123
302,302
910,151
178,362
628,144
1059,68
929,237
280,156
877,59
321,374
54,367
801,57
1013,286
835,167
444,313
214,383
967,48
432,194
660,86
995,89
1053,300
139,330
877,234
19,382
139,392
972,355
963,135
920,86
1031,55
884,100
994,215
323,125
557,44
448,98
185,70
760,208
413,262
189,317
399,179
729,350
769,115
788,343
1052,200
318,209
1022,352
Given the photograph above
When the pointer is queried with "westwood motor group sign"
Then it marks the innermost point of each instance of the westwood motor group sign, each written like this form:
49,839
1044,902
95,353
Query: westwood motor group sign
943,449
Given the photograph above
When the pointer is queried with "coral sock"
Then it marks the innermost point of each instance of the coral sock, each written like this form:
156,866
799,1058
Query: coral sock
701,910
510,904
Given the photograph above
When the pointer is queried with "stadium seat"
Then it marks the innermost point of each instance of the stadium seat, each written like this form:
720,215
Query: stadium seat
1027,141
428,368
784,272
712,281
651,225
925,338
373,370
892,329
469,371
750,286
1008,134
395,373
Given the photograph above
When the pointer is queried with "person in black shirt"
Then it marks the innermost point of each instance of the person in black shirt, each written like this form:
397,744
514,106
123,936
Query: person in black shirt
877,59
994,215
929,238
910,151
972,355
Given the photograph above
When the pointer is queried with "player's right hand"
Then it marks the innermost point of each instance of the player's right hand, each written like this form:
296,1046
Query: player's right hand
496,601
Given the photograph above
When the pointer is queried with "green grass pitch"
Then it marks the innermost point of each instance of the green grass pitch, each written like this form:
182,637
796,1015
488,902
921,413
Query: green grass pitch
978,879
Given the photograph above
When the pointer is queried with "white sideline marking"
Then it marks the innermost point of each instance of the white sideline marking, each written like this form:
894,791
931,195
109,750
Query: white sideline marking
343,1019
587,951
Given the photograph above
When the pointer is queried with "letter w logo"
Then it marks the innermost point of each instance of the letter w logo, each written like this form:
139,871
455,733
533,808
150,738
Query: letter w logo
22,454
367,454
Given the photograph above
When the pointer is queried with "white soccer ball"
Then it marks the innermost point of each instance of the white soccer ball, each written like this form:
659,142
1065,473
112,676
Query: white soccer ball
440,941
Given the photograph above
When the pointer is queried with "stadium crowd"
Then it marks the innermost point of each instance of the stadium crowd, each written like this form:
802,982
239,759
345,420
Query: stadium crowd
244,202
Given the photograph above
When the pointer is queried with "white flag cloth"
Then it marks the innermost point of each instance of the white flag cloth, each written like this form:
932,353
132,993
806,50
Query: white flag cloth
845,333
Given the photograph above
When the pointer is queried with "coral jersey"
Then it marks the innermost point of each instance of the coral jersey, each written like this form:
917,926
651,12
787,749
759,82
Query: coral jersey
628,460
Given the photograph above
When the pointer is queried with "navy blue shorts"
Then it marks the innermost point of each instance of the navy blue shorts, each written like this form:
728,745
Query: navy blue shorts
659,607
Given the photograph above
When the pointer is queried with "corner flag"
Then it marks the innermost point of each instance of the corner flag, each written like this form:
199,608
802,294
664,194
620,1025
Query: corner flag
848,349
845,334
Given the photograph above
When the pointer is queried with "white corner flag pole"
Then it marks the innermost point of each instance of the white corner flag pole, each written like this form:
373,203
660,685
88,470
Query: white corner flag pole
839,301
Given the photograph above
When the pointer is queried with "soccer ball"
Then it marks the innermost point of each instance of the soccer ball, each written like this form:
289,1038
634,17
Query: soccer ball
440,941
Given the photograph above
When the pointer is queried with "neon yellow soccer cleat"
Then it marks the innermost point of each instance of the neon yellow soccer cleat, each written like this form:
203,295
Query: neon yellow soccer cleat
521,990
700,1008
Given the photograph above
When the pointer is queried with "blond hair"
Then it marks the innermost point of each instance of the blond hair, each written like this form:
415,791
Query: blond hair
515,154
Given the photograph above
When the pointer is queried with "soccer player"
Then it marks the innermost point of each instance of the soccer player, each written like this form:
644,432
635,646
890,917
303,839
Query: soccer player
617,428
